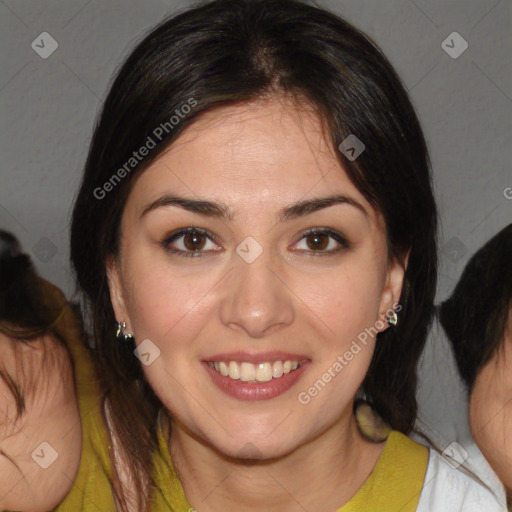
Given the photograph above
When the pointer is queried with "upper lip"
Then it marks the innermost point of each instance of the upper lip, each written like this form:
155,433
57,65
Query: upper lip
262,357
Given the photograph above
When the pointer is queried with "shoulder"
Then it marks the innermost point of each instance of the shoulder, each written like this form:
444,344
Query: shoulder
92,489
448,488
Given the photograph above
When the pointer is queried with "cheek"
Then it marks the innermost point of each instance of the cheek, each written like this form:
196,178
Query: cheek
165,304
345,299
342,307
490,416
171,306
171,309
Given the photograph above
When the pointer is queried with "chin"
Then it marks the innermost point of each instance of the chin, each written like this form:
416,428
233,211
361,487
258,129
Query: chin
255,448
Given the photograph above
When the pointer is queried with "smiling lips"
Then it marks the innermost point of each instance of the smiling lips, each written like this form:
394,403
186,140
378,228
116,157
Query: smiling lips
246,375
253,373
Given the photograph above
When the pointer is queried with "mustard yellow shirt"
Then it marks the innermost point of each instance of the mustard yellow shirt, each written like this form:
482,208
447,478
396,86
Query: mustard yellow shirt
394,485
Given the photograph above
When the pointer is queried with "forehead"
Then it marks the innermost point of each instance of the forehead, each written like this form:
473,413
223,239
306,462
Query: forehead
265,150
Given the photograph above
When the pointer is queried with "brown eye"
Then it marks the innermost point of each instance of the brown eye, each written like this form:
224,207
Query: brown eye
194,241
190,242
319,241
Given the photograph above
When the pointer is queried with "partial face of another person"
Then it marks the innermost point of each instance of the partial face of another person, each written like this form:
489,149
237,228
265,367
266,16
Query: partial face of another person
490,410
252,292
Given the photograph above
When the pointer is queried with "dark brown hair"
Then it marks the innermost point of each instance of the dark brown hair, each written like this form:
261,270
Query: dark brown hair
229,52
475,316
26,313
34,315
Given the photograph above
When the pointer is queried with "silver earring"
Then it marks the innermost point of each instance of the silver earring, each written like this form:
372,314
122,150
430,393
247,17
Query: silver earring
120,327
393,319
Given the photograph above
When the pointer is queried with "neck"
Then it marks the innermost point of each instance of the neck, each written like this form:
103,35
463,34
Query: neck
322,474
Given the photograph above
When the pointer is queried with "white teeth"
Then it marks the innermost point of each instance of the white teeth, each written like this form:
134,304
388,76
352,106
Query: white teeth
234,370
264,372
224,368
247,372
261,372
277,369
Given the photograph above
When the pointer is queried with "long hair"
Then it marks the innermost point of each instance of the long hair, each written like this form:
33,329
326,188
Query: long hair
229,52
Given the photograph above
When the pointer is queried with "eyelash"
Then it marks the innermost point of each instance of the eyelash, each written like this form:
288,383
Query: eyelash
194,254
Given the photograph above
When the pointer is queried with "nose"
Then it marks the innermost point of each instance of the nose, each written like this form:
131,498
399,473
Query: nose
256,298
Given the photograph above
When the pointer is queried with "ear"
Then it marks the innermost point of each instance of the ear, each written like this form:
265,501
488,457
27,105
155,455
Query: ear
392,288
117,291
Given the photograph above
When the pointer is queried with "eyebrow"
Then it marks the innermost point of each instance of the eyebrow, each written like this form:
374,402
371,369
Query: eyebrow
222,211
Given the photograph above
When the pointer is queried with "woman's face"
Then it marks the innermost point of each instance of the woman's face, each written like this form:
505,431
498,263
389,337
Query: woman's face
490,410
251,292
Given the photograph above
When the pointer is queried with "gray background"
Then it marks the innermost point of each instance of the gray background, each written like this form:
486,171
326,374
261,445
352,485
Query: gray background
48,107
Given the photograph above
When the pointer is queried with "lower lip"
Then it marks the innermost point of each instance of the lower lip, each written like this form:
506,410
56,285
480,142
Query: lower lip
258,390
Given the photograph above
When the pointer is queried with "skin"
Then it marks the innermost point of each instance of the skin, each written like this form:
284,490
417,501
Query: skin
490,410
272,454
51,415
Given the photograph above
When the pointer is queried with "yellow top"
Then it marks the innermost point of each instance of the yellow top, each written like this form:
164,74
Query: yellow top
394,485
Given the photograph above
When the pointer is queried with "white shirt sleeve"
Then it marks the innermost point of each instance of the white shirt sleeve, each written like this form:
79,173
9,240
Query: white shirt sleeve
449,489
